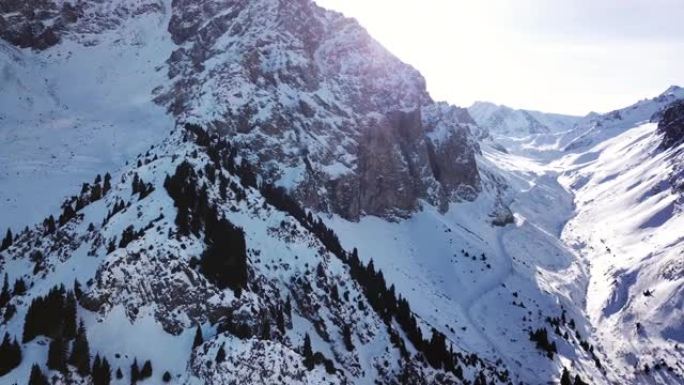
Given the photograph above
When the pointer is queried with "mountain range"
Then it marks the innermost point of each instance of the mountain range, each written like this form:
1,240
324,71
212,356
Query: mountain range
229,192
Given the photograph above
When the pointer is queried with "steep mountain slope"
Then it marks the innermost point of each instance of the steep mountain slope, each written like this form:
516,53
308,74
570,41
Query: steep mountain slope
623,171
309,97
81,108
142,278
628,229
452,263
321,107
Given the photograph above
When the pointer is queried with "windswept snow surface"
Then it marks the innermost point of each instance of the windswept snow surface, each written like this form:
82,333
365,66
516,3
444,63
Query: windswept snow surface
77,110
629,232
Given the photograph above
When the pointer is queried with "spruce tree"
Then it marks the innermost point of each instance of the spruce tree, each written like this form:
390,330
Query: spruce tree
37,377
198,338
7,241
10,355
565,377
57,354
578,380
101,372
19,287
146,371
50,226
135,185
107,185
5,292
347,337
135,372
265,328
220,355
105,373
280,320
80,353
69,317
307,352
77,290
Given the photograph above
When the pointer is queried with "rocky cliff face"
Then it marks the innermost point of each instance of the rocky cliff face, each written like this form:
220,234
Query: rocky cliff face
320,106
671,124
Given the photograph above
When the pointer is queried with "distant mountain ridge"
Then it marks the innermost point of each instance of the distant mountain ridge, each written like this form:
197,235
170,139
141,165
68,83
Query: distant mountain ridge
506,121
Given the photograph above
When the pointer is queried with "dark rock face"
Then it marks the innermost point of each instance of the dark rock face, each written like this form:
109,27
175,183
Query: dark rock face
34,24
671,124
41,24
320,106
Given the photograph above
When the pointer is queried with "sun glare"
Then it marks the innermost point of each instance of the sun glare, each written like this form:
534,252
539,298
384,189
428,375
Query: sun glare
527,54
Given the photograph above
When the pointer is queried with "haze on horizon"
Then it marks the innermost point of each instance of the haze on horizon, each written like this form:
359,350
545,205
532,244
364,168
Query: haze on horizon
568,57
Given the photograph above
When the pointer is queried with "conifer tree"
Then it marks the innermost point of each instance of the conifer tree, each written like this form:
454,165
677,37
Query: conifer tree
37,377
101,372
146,371
77,289
578,380
565,377
80,353
57,354
10,355
95,193
5,292
107,185
347,337
105,373
7,241
67,214
307,352
49,225
135,185
481,379
220,355
19,287
280,320
135,372
69,317
265,327
198,338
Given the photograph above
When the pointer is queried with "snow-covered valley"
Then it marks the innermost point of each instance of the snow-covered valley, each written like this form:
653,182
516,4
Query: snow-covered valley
143,153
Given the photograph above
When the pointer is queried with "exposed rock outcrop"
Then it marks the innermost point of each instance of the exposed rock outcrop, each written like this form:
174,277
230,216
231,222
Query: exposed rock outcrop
336,118
671,124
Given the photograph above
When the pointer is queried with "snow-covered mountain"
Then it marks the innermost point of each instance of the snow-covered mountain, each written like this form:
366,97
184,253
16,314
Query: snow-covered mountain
307,94
623,170
509,122
628,229
301,211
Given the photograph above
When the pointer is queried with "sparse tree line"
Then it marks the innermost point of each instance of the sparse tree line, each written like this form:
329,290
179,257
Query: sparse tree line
183,188
6,295
224,261
54,316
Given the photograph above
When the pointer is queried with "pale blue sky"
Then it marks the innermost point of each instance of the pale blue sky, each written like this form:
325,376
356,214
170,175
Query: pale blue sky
551,55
